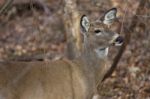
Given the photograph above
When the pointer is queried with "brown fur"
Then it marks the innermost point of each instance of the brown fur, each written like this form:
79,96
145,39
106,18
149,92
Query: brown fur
45,80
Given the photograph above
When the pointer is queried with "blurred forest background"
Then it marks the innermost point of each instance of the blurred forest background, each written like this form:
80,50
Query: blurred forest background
35,31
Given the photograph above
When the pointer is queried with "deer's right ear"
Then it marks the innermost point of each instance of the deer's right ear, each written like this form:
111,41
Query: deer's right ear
110,16
84,23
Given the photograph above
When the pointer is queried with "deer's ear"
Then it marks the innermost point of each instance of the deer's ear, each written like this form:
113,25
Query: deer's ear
110,15
84,23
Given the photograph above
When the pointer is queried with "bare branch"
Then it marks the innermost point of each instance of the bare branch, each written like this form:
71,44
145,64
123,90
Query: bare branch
6,4
127,38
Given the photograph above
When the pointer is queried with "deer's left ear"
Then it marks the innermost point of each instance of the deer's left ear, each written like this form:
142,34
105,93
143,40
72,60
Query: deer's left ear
110,15
84,23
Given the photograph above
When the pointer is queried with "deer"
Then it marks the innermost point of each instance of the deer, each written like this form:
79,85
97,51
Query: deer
64,79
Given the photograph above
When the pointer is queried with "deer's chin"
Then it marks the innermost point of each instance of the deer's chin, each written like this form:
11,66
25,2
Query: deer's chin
118,44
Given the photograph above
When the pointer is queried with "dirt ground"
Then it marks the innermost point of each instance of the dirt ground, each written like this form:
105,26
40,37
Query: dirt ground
28,33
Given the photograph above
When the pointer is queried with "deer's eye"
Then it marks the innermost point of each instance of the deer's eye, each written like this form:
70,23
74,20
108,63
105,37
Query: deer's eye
98,32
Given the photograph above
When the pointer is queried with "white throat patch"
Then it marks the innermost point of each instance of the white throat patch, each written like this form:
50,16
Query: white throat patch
102,52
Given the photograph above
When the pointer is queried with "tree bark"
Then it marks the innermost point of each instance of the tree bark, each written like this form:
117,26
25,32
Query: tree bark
72,26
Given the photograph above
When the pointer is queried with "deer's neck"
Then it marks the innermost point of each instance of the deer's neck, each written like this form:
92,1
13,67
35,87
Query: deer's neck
95,59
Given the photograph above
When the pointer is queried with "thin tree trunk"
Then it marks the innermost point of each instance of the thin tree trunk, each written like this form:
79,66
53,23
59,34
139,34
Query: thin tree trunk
72,26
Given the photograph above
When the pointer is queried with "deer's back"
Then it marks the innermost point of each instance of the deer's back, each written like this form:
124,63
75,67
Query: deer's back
41,80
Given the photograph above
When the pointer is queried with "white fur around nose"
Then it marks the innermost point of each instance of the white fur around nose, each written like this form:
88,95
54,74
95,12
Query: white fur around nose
102,52
114,38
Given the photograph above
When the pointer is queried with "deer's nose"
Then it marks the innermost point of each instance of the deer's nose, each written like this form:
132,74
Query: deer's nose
118,41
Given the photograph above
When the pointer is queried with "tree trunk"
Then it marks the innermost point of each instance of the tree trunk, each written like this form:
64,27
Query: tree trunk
72,26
